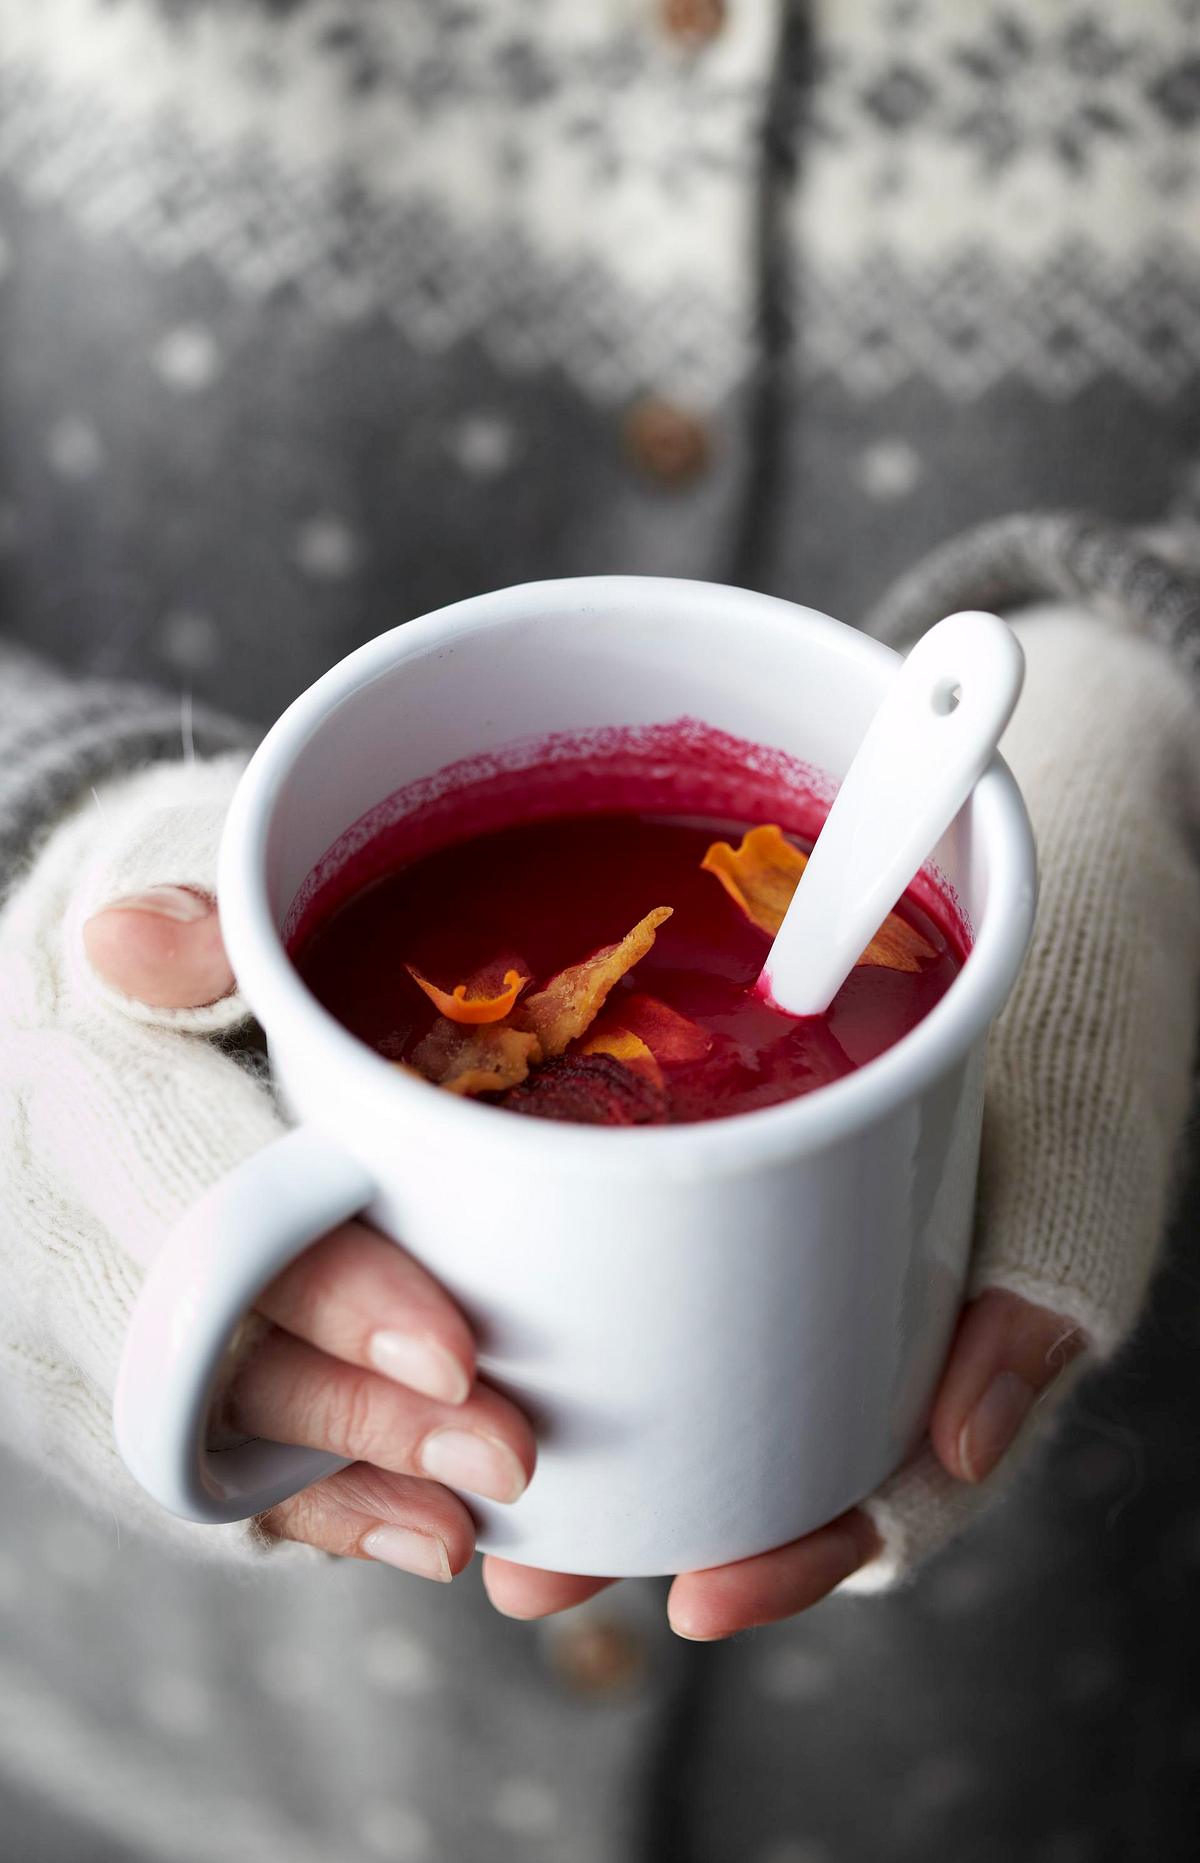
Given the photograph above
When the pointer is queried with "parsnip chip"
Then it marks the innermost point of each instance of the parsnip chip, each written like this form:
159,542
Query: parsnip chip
762,874
629,1049
484,1059
487,996
572,1000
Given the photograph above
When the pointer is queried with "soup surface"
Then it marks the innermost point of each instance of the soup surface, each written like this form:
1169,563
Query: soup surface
678,1035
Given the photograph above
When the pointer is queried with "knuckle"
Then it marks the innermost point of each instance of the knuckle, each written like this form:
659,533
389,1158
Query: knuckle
353,1419
311,1519
293,1519
365,1491
304,1292
311,1295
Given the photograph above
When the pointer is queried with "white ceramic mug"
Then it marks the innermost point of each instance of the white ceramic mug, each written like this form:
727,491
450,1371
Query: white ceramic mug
726,1333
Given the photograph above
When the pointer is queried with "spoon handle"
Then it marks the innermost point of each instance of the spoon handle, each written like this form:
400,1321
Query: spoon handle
924,750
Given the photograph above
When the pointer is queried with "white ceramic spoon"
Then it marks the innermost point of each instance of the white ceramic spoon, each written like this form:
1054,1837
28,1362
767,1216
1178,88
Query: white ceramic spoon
924,751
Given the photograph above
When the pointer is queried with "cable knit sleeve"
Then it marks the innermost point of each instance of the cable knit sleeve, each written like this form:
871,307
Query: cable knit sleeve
59,736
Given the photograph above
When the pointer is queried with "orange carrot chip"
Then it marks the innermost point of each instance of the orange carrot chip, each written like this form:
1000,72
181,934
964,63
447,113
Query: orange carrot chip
573,999
628,1048
487,996
764,872
484,1059
760,876
897,945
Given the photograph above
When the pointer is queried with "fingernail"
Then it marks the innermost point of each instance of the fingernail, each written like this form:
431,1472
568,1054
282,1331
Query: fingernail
421,1364
412,1551
480,1464
993,1423
166,902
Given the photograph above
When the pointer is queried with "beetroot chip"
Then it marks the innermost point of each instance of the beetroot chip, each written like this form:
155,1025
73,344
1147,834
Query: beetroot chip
589,1089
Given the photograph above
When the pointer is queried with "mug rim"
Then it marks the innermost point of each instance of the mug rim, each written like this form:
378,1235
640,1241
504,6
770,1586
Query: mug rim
738,1142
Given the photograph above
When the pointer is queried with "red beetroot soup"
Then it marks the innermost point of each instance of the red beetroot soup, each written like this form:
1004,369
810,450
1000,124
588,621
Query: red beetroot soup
553,890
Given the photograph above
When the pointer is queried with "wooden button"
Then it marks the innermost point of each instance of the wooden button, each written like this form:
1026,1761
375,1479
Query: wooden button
693,22
665,441
598,1658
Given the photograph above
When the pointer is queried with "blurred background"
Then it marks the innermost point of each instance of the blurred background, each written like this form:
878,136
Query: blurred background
314,317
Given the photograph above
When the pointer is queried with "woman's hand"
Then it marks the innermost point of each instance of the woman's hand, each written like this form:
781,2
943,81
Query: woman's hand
367,1357
359,1352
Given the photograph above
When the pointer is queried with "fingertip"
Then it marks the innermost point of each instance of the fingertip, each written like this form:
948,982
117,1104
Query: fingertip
362,1512
409,1549
710,1606
1006,1354
503,1595
364,1301
677,1624
424,1364
689,1611
526,1594
163,958
946,1426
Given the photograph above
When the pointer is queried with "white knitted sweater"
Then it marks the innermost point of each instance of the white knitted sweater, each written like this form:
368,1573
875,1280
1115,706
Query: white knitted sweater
113,1117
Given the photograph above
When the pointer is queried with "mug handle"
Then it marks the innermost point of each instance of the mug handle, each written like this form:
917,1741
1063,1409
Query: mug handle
229,1246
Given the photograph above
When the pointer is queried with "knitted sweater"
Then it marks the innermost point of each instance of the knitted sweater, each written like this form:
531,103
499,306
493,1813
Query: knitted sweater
316,320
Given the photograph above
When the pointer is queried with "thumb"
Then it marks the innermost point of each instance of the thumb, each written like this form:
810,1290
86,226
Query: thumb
162,947
1005,1357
